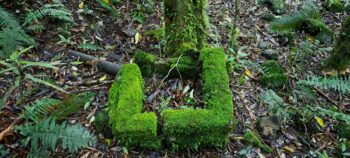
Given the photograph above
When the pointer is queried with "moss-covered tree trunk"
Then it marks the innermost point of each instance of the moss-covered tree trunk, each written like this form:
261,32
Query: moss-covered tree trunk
340,57
186,26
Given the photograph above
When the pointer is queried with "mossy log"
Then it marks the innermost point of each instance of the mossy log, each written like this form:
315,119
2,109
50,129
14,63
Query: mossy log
186,24
251,138
340,56
151,64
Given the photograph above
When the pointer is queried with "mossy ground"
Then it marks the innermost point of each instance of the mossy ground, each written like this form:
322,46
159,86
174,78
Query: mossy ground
274,75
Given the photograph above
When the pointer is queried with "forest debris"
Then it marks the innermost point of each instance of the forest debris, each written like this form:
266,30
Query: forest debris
102,65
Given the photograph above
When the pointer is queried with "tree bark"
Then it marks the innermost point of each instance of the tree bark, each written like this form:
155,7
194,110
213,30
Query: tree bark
340,57
186,24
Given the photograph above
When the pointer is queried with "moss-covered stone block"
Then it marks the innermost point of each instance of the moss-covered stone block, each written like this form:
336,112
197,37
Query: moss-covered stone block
190,128
129,125
334,5
274,75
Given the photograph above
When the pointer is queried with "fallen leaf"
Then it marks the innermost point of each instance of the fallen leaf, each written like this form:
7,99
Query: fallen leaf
320,121
81,5
288,149
138,37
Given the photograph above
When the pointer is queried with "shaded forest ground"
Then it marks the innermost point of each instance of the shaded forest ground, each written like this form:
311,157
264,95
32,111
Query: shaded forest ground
121,36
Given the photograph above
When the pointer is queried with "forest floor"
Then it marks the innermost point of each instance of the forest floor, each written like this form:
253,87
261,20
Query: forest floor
121,36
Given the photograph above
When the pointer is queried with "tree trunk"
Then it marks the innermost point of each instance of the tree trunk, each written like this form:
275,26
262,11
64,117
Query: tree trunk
186,24
340,57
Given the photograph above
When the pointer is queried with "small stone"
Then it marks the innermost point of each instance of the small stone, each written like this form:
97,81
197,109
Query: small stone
270,54
264,45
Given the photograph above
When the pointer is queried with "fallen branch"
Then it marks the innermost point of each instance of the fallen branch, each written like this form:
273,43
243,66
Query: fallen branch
102,65
9,128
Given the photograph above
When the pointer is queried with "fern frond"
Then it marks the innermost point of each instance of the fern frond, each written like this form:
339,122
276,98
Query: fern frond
339,84
11,39
49,135
7,19
56,10
296,20
40,108
88,46
35,28
276,105
3,151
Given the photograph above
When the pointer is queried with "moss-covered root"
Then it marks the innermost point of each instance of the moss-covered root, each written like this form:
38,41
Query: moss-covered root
186,22
274,76
340,56
150,65
251,138
334,5
278,6
129,125
191,129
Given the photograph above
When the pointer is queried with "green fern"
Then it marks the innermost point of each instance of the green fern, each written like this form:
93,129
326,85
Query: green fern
48,135
3,151
308,18
89,46
7,19
11,39
108,7
339,84
40,109
276,105
56,10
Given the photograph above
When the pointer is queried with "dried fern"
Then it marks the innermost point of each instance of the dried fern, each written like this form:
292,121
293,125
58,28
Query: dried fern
339,84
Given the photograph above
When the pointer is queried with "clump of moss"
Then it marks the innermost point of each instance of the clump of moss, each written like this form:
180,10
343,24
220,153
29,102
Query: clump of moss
190,128
157,34
129,125
278,6
71,104
274,76
251,138
334,5
101,124
340,56
150,65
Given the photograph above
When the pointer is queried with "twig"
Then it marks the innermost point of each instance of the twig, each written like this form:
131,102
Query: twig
172,68
327,97
9,128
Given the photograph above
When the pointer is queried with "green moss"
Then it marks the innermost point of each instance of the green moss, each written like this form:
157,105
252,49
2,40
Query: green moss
129,125
158,34
71,104
340,56
150,65
251,138
334,5
191,129
146,62
273,76
186,21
